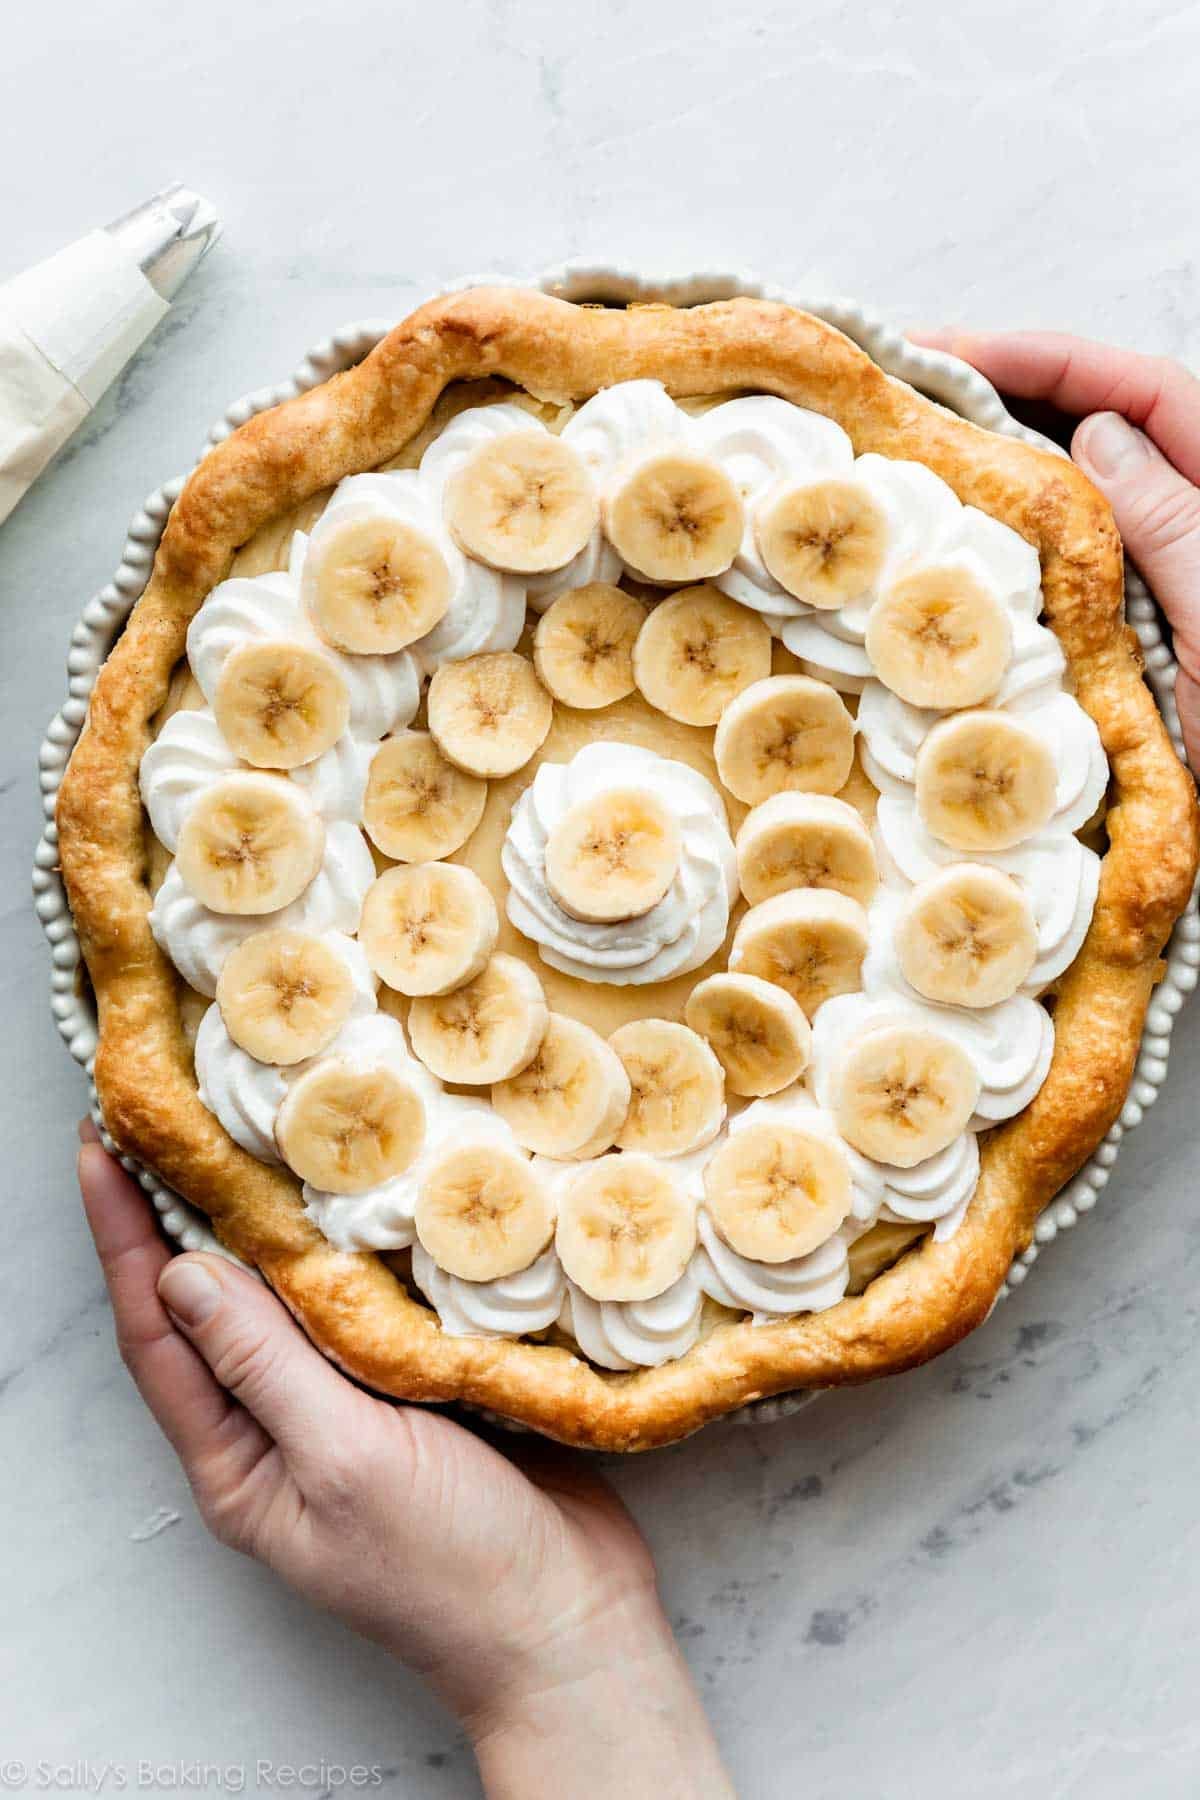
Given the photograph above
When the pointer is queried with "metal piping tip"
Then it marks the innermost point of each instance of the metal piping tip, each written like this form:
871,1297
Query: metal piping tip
168,235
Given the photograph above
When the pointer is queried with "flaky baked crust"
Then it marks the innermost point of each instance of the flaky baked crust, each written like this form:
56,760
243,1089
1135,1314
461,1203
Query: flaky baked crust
352,1305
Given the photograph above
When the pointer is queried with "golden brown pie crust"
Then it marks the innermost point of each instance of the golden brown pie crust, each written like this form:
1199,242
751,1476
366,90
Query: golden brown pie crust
353,1305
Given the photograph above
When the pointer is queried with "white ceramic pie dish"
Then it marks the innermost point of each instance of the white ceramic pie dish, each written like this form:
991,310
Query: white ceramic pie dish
945,378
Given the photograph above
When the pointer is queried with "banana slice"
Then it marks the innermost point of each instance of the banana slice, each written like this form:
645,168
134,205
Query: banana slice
613,856
805,841
490,713
482,1212
811,942
250,844
522,502
382,583
824,541
775,1192
758,1033
626,1230
428,928
967,936
280,704
984,781
583,646
677,1102
938,638
696,651
417,806
903,1093
787,733
675,516
284,995
485,1031
345,1126
571,1100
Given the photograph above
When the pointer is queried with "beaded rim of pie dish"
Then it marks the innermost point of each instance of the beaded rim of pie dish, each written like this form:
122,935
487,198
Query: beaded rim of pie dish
938,375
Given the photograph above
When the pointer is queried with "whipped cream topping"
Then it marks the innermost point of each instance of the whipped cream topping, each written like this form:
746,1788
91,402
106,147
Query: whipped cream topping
198,940
244,1094
688,923
636,1334
384,691
187,756
892,733
769,1291
1009,1045
597,561
510,1306
486,610
381,1218
1059,875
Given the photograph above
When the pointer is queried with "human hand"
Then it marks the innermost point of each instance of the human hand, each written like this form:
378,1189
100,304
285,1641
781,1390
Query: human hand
525,1594
1139,442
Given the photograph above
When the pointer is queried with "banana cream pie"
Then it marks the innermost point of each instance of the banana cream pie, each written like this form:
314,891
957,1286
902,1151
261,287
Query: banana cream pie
622,856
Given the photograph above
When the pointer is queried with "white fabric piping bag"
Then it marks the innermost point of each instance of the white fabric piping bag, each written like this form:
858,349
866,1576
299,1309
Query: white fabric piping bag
69,325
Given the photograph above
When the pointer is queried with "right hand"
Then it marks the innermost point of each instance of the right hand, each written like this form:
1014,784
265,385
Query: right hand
1139,442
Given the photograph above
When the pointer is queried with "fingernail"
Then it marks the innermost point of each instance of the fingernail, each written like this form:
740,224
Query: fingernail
188,1290
1107,443
87,1132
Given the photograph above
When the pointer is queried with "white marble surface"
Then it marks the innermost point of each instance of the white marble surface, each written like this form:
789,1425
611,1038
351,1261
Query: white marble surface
974,1580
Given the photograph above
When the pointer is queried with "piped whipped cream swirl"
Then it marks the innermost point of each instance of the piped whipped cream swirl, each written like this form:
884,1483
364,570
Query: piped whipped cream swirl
686,926
510,1306
198,940
636,1334
479,425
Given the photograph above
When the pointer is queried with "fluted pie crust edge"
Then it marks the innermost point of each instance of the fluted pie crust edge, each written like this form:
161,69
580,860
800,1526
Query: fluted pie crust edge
351,1304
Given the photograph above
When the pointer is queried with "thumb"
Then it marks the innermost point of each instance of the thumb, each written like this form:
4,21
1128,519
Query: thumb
1158,515
254,1350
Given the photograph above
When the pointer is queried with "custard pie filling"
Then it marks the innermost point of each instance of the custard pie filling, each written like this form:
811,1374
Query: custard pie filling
625,851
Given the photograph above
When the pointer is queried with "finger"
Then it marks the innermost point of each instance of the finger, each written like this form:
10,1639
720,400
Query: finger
87,1131
255,1351
1080,377
1158,515
172,1379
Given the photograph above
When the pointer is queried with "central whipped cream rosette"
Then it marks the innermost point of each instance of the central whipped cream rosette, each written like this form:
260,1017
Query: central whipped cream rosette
621,868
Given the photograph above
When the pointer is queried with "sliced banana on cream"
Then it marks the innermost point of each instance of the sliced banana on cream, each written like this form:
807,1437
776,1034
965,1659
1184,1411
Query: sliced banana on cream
523,502
613,856
250,843
284,993
279,704
674,516
823,541
967,936
939,638
626,1228
775,1192
984,781
904,1091
380,583
349,1123
787,732
483,1212
583,646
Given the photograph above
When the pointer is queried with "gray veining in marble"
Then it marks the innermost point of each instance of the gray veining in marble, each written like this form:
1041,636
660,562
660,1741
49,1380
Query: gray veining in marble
975,1580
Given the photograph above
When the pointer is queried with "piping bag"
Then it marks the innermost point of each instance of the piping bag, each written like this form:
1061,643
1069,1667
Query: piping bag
69,325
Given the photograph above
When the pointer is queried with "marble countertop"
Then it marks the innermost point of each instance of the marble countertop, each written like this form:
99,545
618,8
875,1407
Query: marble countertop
972,1580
